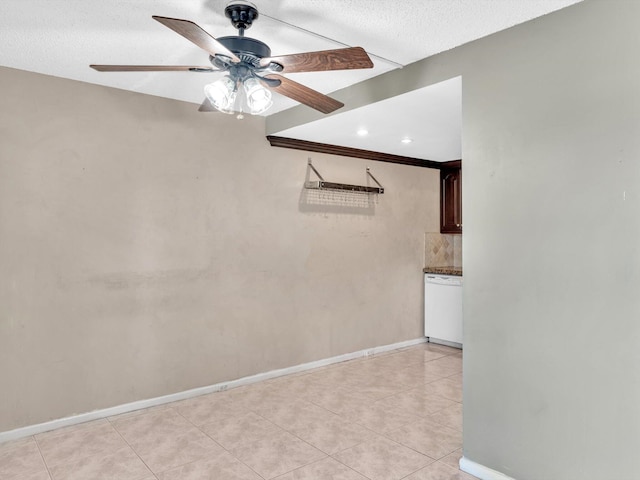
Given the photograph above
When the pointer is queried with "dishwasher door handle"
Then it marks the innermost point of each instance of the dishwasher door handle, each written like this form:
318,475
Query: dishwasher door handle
454,282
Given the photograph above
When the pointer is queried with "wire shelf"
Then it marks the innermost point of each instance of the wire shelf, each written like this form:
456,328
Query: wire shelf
322,184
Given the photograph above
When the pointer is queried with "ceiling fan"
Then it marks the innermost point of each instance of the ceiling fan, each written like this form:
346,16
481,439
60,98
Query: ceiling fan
251,70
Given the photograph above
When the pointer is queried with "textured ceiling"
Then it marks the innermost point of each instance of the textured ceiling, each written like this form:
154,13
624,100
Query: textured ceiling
62,38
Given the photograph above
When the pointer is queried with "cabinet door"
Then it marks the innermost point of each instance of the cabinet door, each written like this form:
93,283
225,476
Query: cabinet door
451,200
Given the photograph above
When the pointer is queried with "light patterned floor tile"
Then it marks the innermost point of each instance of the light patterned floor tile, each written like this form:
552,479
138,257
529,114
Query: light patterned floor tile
383,459
209,408
449,417
41,475
394,361
222,467
346,376
378,388
251,396
453,459
277,454
16,443
436,347
426,371
72,428
422,355
379,418
452,362
339,400
301,386
294,414
326,469
414,376
429,438
70,445
332,436
146,427
440,471
165,452
416,402
124,464
21,459
369,368
445,388
141,411
237,431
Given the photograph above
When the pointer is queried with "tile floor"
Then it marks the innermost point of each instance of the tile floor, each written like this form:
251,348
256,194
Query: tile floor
392,416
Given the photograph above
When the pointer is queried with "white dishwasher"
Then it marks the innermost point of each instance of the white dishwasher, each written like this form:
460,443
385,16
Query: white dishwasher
443,309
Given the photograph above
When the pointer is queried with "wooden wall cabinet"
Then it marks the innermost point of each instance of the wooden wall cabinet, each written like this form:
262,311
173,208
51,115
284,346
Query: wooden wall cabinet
451,198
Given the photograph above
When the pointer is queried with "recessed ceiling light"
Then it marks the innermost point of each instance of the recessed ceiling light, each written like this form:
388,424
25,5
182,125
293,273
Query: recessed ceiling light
363,131
406,140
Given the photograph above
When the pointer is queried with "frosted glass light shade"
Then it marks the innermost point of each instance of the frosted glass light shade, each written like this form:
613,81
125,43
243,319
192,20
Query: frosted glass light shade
222,94
258,97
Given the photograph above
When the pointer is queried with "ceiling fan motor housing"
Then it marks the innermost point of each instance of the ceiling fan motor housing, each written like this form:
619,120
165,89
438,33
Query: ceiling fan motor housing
248,50
246,46
241,13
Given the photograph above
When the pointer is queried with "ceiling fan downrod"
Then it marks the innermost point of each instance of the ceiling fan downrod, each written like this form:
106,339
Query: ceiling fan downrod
242,14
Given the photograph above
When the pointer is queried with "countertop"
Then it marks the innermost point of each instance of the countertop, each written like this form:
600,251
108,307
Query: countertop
457,271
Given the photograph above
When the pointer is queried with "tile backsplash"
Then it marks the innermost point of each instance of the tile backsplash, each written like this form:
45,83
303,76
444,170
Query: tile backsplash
442,250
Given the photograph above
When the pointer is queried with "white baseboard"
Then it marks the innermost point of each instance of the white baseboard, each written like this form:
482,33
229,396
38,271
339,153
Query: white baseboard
218,387
480,471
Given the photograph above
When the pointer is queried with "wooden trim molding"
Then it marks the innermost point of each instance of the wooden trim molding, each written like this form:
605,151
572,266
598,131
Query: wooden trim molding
452,164
295,144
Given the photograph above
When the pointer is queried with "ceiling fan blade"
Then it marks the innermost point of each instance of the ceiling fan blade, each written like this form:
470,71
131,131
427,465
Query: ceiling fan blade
197,35
152,68
305,95
340,59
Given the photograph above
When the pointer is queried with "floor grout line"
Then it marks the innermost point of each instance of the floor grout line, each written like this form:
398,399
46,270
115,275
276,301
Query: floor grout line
46,466
131,447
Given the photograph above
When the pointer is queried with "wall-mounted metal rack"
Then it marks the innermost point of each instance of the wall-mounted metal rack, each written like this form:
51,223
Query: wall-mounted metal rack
322,184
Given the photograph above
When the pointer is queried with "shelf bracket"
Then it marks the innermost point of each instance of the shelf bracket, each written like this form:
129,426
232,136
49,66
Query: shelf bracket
322,184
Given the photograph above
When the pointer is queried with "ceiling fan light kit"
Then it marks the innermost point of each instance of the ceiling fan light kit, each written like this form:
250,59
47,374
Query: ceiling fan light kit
258,97
249,65
222,94
226,96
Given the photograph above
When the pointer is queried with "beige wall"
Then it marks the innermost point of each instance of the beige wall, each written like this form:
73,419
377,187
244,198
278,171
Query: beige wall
146,249
552,229
551,144
551,201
